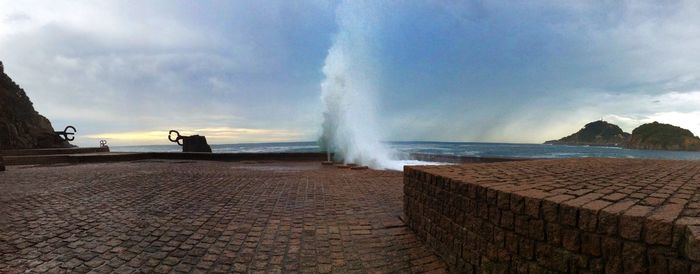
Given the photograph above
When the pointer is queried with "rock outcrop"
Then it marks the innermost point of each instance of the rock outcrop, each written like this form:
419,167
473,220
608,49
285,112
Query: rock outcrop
598,133
21,127
663,137
656,136
195,143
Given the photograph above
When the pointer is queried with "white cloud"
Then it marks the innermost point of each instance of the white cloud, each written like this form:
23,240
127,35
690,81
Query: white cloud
108,66
680,109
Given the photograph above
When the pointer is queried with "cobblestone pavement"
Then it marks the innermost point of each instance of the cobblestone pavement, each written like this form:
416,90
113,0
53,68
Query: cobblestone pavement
195,217
566,216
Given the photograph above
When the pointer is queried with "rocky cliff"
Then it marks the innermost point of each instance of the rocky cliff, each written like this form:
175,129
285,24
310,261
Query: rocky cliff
598,133
21,127
663,137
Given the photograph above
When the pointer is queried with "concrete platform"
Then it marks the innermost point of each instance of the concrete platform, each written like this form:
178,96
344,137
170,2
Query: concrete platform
50,151
126,156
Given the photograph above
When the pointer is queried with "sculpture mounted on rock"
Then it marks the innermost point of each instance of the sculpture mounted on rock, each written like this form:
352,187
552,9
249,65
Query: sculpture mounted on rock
194,143
22,127
67,134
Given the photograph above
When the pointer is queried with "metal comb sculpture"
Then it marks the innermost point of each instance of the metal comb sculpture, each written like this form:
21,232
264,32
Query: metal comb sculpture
194,143
67,135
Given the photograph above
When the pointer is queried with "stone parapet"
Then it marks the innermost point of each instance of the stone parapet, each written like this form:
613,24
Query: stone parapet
554,216
77,158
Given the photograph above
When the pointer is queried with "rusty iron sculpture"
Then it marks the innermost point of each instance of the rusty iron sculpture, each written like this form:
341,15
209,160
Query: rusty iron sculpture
67,135
194,143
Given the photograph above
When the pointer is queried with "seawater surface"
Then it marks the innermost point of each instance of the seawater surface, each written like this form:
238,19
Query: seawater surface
446,148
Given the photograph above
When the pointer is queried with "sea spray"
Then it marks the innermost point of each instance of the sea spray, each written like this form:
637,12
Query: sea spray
349,90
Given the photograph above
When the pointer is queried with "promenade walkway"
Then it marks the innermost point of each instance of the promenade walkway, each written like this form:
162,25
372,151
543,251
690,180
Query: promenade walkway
197,216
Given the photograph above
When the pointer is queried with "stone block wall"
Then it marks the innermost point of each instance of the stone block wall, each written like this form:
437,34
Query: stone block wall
559,216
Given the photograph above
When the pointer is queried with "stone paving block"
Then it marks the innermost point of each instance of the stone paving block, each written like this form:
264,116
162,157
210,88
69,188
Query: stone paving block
569,215
208,217
692,248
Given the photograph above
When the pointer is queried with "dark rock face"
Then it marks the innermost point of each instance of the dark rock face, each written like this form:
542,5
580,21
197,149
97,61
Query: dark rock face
21,127
195,143
663,137
654,135
598,133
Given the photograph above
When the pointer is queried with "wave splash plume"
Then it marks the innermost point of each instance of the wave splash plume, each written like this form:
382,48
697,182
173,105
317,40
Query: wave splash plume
349,91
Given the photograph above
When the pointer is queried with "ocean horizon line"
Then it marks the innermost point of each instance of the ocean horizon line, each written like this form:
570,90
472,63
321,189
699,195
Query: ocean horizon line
316,142
404,150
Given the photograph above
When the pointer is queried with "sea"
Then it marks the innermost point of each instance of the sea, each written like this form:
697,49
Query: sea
471,149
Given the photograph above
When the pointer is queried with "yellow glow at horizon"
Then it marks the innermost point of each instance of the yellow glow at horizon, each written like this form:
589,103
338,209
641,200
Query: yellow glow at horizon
217,135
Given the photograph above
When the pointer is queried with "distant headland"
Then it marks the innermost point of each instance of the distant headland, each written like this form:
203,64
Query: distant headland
598,133
654,136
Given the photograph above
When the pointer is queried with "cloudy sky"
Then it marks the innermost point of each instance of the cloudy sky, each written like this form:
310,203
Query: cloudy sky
250,71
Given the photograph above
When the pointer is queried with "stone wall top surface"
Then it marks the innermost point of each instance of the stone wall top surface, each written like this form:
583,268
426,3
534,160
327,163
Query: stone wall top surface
589,215
664,192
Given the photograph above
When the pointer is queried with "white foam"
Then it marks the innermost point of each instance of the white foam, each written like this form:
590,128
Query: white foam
349,91
399,164
349,128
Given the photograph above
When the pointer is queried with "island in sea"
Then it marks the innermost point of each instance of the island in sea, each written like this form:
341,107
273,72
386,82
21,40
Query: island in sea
598,133
655,136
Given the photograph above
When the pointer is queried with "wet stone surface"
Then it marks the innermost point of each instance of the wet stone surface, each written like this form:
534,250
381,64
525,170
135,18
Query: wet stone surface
197,217
569,215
